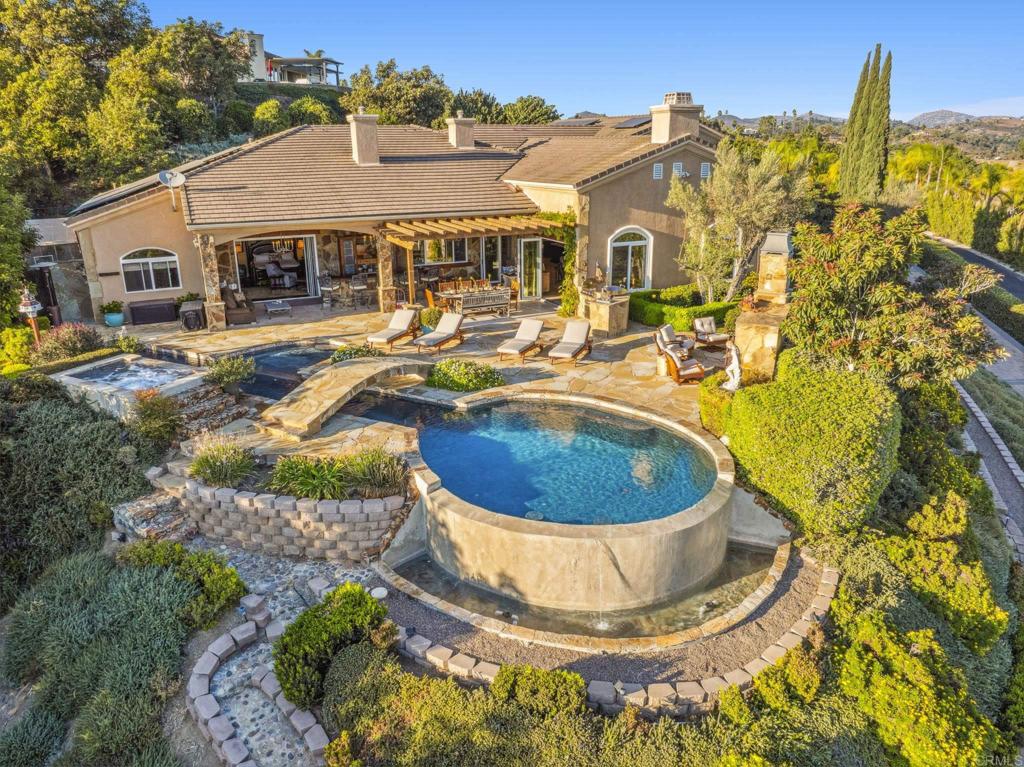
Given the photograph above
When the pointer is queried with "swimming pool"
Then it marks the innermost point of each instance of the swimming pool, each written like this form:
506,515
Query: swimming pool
555,462
277,369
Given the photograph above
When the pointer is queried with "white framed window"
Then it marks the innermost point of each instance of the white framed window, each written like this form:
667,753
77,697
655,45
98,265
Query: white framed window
677,169
659,171
629,258
705,170
150,269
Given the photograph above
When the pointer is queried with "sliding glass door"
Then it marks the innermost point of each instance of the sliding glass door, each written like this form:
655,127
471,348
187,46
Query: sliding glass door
530,268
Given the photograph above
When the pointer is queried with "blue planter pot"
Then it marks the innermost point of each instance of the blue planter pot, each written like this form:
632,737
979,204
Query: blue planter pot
114,319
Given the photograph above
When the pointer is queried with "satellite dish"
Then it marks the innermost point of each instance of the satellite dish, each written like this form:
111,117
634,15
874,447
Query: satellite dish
171,178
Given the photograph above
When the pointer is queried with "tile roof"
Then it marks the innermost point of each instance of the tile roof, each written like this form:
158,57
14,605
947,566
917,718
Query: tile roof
514,136
308,174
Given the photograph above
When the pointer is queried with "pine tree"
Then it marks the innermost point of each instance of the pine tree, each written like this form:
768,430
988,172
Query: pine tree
847,176
875,155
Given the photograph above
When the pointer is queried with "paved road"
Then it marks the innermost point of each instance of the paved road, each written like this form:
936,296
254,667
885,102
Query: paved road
1012,281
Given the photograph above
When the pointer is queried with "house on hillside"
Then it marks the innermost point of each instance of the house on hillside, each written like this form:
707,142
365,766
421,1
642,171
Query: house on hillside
397,206
302,70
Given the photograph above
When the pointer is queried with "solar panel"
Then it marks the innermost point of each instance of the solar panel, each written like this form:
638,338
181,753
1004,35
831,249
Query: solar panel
577,122
634,122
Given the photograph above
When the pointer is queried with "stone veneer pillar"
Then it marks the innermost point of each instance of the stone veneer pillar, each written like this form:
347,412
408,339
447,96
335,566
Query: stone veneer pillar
216,319
385,274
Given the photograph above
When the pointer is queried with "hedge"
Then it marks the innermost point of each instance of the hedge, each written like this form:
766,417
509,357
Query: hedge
713,402
645,307
822,443
998,304
49,368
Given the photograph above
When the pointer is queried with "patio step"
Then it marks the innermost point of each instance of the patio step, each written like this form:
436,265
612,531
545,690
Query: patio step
304,410
208,407
178,467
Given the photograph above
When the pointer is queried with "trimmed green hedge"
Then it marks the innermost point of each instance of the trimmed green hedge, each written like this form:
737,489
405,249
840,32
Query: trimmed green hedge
822,443
653,307
999,305
714,402
49,368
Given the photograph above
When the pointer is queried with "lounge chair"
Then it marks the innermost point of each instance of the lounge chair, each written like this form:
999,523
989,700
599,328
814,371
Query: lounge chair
667,335
681,369
706,333
448,330
403,323
575,341
527,338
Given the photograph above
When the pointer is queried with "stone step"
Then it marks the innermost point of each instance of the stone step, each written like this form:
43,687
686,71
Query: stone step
171,484
157,515
178,467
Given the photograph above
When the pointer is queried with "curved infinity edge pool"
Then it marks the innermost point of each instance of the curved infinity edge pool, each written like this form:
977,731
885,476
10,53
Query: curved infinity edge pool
586,567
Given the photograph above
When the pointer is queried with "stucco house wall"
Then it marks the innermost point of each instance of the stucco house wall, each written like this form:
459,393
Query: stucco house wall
634,198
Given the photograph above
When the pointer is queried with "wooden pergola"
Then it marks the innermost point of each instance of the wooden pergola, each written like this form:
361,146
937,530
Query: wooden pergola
405,234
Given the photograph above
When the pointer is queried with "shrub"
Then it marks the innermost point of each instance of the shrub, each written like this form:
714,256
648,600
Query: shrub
714,402
228,371
647,308
112,307
16,345
221,461
918,702
430,316
353,352
541,692
157,754
360,678
464,375
193,120
268,117
370,473
680,295
339,752
236,118
771,688
128,344
68,340
802,673
13,370
302,656
309,111
49,368
31,740
823,444
156,418
305,477
730,319
219,586
733,707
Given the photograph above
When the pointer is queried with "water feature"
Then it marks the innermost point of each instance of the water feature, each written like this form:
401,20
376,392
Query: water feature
741,573
554,462
133,375
277,369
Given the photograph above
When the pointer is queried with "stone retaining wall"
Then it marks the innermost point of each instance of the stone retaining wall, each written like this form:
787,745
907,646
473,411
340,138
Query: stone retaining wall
289,526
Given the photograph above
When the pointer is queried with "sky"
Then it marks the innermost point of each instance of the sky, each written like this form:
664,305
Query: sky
618,58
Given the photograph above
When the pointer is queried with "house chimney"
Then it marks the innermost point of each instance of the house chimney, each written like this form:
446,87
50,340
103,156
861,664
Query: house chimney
675,118
365,150
460,131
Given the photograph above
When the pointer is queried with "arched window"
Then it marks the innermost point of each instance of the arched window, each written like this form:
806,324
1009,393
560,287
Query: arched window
629,259
150,269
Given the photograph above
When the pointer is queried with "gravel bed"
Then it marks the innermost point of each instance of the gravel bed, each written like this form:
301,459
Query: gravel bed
696,660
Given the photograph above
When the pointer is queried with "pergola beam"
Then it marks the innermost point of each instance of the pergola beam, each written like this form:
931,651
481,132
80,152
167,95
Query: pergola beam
456,227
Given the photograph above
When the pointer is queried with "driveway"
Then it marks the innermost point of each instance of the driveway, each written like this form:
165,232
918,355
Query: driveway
1012,281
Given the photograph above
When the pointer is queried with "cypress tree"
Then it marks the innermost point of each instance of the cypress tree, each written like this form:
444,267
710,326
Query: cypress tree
875,155
847,161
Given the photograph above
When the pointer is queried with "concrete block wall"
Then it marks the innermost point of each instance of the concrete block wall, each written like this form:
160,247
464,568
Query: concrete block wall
289,526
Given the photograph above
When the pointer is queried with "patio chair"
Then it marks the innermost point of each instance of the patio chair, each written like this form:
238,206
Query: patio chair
403,323
681,369
448,330
514,287
706,333
527,338
667,335
238,310
575,341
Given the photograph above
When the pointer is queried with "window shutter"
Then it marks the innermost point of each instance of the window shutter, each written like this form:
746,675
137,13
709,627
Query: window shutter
705,170
659,171
677,169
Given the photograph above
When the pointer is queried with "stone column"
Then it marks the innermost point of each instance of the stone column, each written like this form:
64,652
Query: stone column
385,274
215,316
582,247
91,272
759,338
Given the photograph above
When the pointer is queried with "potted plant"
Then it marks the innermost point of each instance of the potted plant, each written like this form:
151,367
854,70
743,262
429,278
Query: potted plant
113,314
429,318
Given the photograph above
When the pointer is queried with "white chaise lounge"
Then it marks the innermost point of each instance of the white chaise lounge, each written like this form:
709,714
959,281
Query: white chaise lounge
575,341
403,323
448,330
526,339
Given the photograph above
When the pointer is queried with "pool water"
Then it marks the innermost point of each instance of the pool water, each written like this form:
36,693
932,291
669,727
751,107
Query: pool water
277,369
554,462
741,573
132,376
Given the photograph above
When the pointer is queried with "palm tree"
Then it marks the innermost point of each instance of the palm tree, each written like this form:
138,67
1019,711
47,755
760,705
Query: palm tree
988,182
319,53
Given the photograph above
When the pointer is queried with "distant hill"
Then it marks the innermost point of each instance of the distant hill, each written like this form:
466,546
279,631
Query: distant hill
940,118
751,122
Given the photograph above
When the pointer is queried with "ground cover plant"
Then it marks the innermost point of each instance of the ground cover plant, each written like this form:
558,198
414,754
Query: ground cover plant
464,375
102,643
368,473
